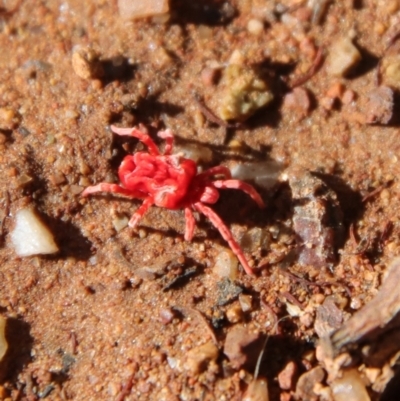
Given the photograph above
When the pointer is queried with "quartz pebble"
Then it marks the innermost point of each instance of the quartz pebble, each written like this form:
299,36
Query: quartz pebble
264,174
343,57
31,236
133,9
246,302
226,265
255,26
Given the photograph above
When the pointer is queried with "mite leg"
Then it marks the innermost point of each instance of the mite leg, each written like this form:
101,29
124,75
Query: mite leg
243,186
114,188
143,137
226,234
147,203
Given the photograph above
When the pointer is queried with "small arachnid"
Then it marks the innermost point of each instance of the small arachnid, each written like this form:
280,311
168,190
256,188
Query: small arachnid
172,182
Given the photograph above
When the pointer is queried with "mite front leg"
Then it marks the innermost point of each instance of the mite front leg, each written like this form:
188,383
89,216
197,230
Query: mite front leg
143,137
190,224
169,139
226,234
114,188
148,202
243,186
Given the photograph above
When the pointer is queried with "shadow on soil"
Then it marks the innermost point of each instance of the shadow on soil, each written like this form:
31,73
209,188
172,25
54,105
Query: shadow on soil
392,389
18,354
369,62
69,239
280,350
205,12
395,120
117,69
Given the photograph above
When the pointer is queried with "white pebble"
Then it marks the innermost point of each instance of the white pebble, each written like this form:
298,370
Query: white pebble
343,56
255,27
30,235
264,174
133,9
226,265
120,222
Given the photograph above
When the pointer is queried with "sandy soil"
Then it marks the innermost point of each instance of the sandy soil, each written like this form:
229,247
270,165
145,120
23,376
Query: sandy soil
121,314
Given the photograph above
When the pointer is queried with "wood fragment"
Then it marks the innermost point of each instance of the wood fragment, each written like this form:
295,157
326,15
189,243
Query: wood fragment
74,342
360,246
292,299
387,230
212,117
376,191
4,214
317,62
185,310
126,389
374,317
271,312
306,282
181,278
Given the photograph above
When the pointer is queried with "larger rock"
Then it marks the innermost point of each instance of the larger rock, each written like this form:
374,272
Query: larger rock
243,347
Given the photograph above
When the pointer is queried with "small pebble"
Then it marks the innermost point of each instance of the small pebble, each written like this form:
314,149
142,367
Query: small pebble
257,391
343,57
198,358
349,387
336,90
7,118
390,71
226,265
246,302
298,101
86,64
255,27
209,76
234,314
348,96
166,315
287,376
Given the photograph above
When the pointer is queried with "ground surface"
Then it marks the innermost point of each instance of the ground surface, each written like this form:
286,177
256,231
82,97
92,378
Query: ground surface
103,319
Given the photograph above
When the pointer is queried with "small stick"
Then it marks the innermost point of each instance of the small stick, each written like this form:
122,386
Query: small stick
386,232
373,193
311,71
74,342
126,389
292,299
211,116
199,316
